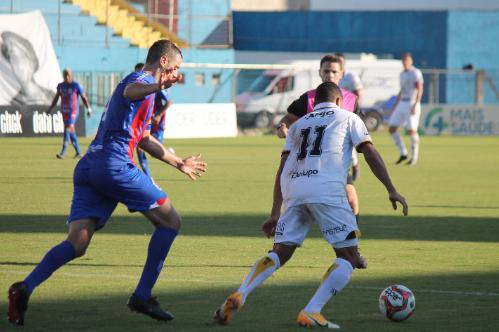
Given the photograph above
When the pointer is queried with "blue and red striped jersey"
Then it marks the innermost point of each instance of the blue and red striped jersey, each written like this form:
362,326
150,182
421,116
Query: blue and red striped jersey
122,125
70,97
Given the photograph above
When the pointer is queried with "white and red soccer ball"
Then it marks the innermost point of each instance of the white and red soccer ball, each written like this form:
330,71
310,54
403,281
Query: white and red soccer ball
397,303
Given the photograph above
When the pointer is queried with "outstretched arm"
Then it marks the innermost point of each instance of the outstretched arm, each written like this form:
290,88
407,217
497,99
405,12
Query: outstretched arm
268,226
192,166
54,102
378,168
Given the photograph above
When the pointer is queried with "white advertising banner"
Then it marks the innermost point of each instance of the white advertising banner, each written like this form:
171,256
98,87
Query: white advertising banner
201,120
29,71
462,120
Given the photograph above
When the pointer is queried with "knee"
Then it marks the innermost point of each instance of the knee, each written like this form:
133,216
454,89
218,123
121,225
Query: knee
80,249
284,253
172,221
352,256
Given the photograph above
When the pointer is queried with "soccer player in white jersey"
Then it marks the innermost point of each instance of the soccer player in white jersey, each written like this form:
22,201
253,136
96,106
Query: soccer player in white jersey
407,109
311,181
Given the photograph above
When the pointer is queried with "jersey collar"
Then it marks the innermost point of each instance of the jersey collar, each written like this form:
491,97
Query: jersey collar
325,105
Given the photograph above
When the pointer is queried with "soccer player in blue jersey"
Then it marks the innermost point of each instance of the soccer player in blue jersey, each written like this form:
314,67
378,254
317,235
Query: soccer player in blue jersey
69,91
162,102
107,175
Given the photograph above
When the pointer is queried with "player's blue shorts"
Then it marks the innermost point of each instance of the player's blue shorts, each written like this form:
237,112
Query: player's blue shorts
97,191
158,134
69,119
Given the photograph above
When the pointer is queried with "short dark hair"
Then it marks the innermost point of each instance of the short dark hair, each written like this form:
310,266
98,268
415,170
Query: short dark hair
139,66
407,55
333,59
340,55
327,92
162,47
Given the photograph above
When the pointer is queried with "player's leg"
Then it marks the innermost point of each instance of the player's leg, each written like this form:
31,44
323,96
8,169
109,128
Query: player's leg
144,164
89,211
72,135
65,140
333,282
79,236
353,201
397,119
263,268
413,134
338,227
291,230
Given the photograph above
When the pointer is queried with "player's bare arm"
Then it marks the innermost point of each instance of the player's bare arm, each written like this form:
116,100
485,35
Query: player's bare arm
419,87
54,102
268,226
156,118
377,166
285,123
192,166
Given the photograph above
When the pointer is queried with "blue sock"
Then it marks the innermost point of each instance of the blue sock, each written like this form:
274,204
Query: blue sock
53,259
161,241
143,161
65,140
74,140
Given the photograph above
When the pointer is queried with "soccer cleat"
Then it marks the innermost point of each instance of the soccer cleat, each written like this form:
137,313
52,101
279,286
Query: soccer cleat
308,319
59,156
150,308
411,162
401,159
18,303
78,156
225,313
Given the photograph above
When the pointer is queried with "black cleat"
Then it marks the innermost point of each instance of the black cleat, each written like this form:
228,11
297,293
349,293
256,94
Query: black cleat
150,308
59,156
18,303
401,159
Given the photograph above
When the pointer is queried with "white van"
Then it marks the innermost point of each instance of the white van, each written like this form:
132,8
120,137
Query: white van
269,96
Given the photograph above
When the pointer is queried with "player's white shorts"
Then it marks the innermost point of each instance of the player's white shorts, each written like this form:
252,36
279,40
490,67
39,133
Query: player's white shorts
402,116
335,223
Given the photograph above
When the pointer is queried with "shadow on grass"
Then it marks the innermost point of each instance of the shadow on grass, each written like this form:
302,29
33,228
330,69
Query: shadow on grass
269,308
477,229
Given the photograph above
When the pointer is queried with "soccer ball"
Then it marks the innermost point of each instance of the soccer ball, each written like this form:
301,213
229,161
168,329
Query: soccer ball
397,303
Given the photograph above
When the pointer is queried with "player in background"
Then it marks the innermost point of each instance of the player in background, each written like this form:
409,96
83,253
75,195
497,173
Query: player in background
407,109
162,101
352,83
310,181
69,91
107,175
331,69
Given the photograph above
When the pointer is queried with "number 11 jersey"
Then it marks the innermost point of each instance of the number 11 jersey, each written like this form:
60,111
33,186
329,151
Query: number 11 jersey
320,151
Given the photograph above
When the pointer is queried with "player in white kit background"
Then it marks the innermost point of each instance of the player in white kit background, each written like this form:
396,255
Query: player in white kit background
310,182
407,109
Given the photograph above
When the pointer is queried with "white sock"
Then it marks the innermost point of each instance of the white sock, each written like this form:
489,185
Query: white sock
399,143
263,268
333,282
414,147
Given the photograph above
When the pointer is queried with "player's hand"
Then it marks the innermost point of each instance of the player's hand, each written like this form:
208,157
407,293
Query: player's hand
395,197
282,131
269,225
89,112
413,109
193,167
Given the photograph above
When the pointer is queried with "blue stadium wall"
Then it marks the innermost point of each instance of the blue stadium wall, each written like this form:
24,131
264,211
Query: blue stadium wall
437,39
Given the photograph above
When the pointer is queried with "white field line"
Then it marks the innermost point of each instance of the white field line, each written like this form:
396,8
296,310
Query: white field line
204,281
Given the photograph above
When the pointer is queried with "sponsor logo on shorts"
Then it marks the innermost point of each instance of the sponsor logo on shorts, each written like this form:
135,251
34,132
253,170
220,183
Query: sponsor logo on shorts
279,230
334,230
310,172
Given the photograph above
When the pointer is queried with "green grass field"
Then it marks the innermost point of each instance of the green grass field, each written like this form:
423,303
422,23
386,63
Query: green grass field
446,250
